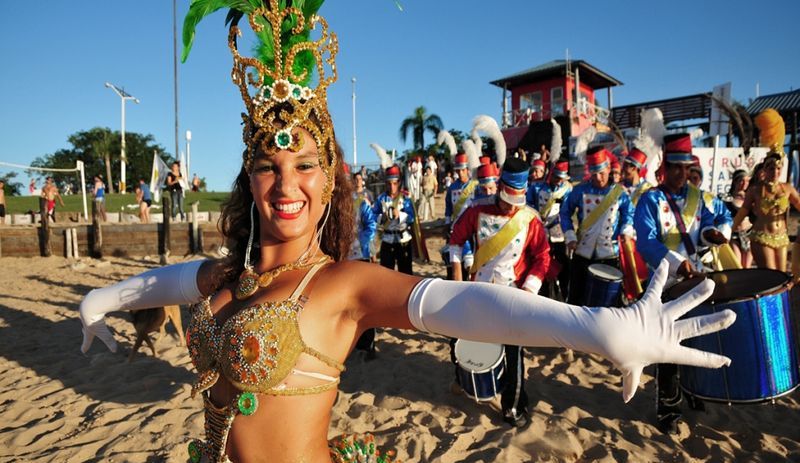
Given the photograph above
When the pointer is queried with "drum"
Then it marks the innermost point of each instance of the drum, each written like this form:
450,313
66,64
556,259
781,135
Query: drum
480,368
761,343
603,284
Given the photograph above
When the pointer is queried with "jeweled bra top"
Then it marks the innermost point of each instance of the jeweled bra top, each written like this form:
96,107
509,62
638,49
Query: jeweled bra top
257,348
775,206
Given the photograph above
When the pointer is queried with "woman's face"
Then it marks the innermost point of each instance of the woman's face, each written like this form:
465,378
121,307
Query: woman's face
287,189
772,169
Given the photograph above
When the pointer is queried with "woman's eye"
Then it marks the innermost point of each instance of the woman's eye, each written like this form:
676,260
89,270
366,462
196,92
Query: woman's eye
265,168
307,166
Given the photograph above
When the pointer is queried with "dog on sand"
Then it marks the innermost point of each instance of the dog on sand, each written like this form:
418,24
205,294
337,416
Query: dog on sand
155,320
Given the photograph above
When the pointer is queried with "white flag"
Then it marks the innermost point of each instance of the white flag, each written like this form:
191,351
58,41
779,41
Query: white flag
158,177
184,175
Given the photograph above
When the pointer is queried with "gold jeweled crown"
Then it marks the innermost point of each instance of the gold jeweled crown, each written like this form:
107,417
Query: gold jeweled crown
275,84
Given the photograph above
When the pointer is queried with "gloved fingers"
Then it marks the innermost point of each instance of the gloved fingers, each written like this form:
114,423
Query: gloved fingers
698,326
657,283
630,383
675,309
99,329
88,337
683,355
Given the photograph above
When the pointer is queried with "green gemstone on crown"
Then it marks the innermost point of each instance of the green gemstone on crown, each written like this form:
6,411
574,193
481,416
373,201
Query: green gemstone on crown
283,140
296,92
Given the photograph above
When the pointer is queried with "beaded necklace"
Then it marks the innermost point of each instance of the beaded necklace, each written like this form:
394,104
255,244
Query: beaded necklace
250,281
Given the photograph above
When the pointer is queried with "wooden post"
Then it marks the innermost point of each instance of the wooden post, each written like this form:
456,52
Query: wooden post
164,242
44,229
96,249
68,243
195,230
74,233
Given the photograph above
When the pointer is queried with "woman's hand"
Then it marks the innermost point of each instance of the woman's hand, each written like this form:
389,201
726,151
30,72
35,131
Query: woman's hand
650,332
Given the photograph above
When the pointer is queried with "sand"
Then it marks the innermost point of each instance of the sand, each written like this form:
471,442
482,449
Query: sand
57,405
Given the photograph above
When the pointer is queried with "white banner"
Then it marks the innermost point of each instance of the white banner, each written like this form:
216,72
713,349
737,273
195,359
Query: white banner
719,164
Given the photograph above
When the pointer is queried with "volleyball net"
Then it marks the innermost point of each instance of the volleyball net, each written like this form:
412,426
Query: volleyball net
79,169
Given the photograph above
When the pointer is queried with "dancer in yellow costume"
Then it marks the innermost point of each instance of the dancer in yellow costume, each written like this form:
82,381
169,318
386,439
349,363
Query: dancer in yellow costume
769,201
273,322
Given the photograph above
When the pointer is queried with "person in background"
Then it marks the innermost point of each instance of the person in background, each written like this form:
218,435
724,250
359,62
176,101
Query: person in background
537,171
99,194
145,198
175,189
512,251
429,188
740,240
616,170
195,183
605,218
2,202
50,193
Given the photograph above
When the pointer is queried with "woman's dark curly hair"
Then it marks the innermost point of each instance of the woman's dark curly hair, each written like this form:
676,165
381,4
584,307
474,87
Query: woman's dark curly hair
336,238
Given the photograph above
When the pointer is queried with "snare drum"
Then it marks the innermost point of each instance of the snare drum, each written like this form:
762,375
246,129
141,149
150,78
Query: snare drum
603,284
761,343
480,368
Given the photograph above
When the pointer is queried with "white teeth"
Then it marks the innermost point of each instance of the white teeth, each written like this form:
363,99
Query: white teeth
291,208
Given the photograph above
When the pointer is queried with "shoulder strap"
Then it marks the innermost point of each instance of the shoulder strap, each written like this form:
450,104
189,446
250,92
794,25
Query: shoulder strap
679,222
466,192
309,275
497,242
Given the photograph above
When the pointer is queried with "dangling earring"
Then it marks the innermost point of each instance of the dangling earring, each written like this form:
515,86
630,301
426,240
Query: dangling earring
248,280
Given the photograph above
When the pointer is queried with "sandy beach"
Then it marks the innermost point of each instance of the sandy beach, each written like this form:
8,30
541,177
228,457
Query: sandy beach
57,405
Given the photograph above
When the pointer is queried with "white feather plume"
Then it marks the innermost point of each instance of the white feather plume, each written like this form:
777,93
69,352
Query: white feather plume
555,142
488,125
650,140
582,143
473,156
386,160
696,134
445,137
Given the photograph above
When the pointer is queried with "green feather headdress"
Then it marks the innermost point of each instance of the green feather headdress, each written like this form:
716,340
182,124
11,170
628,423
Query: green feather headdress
274,83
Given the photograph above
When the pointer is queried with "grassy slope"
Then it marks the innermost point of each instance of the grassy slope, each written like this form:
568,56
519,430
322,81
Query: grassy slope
73,203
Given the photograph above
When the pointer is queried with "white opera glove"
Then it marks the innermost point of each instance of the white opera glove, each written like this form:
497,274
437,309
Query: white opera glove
170,285
632,337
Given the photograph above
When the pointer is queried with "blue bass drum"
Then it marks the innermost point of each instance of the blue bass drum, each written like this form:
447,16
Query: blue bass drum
480,368
603,284
761,343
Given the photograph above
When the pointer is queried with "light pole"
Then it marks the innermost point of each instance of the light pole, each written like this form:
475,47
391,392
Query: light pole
355,146
123,95
188,153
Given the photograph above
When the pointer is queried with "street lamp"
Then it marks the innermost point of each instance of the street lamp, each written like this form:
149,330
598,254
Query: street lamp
188,153
123,95
355,146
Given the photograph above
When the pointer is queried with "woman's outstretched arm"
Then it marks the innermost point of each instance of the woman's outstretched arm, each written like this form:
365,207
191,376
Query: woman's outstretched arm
632,337
183,283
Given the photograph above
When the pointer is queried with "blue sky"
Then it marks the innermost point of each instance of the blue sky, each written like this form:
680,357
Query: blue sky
56,56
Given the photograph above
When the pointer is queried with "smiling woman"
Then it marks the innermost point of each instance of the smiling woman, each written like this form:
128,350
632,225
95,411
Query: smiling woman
272,323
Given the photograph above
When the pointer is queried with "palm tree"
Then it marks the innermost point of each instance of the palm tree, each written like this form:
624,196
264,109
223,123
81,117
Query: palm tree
101,145
417,124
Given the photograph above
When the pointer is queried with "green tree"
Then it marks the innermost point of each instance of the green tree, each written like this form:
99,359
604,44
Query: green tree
98,148
417,124
11,188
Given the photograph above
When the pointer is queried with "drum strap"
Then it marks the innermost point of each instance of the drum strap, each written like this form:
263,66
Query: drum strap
497,242
600,210
466,193
687,240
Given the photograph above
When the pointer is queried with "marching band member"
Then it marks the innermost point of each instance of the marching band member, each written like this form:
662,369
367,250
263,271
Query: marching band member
616,169
671,222
546,197
362,247
537,171
512,250
604,217
632,174
396,214
457,199
488,175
